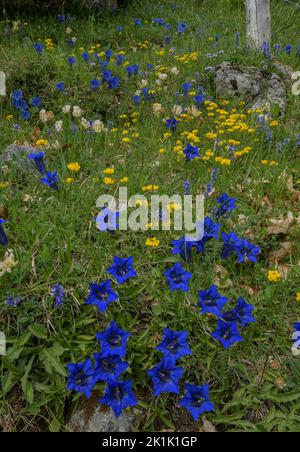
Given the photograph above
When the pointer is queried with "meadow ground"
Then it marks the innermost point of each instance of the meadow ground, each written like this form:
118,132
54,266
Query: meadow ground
118,136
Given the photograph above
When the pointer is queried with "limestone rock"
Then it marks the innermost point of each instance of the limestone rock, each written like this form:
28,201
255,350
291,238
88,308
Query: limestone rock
250,83
19,156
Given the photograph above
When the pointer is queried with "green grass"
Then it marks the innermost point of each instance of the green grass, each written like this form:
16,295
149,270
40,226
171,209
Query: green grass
55,240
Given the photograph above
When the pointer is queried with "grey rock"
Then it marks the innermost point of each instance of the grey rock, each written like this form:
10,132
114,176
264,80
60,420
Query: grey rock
19,156
109,5
99,421
252,84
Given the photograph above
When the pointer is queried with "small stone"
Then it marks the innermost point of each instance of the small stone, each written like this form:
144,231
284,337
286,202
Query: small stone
19,156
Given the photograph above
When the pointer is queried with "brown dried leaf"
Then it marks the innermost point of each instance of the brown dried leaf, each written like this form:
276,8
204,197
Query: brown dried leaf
4,212
276,256
284,270
280,225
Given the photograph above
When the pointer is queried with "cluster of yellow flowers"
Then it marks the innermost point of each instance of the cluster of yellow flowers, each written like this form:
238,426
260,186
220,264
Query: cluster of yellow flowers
49,44
150,188
269,162
152,242
111,181
187,58
42,143
298,296
274,276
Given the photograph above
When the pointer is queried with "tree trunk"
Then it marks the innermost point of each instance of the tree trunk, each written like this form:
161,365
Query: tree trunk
258,22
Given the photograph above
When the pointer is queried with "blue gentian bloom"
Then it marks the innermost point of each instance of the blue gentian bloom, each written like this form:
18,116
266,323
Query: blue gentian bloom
172,124
133,70
178,278
197,400
39,160
60,87
165,376
174,343
36,102
182,27
186,88
244,311
3,237
227,205
119,395
71,60
120,60
50,180
138,22
101,295
113,340
122,269
39,48
59,294
211,302
109,367
82,377
247,251
199,99
108,55
61,18
227,333
136,99
191,152
13,302
94,84
231,242
85,56
159,21
25,114
18,100
184,248
288,49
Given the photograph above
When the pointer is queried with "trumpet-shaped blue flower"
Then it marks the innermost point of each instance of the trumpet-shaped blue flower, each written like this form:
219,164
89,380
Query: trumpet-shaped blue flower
174,343
119,396
50,180
101,295
59,294
113,340
197,400
211,302
39,160
172,124
191,152
82,377
242,312
109,367
122,269
226,205
178,278
165,376
227,333
95,84
3,237
39,48
184,248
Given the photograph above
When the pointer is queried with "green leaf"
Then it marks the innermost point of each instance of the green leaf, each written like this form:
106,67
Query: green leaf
54,426
38,330
167,422
52,363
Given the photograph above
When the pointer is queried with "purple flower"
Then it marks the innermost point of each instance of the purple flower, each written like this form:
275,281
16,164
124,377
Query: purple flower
165,376
197,400
101,295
